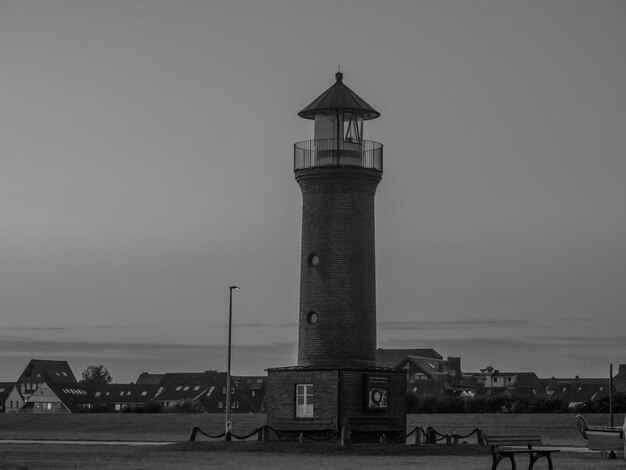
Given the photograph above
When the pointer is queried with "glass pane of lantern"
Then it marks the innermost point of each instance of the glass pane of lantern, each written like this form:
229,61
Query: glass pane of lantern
325,126
353,128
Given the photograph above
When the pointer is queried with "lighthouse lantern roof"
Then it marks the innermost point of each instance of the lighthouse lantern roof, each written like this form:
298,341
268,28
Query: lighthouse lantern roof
339,98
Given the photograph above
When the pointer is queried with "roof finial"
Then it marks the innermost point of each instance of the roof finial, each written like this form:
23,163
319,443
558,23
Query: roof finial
338,75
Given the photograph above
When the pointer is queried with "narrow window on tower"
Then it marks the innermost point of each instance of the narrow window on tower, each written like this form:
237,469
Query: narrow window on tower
304,400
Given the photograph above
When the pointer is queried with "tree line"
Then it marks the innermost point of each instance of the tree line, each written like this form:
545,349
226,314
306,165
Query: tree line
504,404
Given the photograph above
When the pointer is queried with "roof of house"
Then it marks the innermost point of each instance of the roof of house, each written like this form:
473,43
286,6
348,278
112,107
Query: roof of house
72,395
5,390
49,371
188,385
147,378
393,357
120,393
579,392
430,367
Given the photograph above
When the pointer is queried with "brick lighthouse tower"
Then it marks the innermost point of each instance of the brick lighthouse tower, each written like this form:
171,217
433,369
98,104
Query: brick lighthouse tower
336,382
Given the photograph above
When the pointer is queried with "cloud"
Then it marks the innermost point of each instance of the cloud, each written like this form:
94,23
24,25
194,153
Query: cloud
127,360
39,328
448,324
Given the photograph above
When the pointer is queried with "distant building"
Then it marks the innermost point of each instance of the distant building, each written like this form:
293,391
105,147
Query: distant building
12,399
519,384
393,357
146,378
5,391
619,380
39,371
120,397
51,387
577,391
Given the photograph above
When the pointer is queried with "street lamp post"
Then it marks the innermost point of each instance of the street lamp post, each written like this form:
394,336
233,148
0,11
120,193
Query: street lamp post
227,435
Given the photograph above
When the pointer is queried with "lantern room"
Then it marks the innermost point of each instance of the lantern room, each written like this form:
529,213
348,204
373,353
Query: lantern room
339,114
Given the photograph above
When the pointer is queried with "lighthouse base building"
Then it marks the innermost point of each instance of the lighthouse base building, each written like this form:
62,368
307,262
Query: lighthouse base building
336,382
369,402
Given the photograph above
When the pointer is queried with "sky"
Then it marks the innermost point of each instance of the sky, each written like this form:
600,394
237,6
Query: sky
146,164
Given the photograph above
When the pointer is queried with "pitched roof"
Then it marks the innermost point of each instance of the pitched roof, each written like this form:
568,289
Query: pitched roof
339,98
120,393
579,392
147,378
50,371
5,390
393,357
428,366
188,385
72,395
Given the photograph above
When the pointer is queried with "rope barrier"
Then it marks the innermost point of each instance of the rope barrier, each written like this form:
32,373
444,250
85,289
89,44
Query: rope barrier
323,439
431,435
401,438
241,438
197,429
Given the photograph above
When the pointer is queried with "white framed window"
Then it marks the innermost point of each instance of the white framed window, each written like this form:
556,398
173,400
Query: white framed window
304,400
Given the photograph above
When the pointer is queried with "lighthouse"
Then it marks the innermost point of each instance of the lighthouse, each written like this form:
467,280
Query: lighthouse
336,382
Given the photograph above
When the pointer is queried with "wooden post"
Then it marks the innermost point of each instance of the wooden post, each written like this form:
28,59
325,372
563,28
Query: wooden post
192,435
480,438
418,436
624,434
611,394
431,437
345,436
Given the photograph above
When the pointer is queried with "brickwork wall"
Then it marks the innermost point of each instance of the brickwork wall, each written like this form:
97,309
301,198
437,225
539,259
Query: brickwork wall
353,399
339,399
338,227
281,399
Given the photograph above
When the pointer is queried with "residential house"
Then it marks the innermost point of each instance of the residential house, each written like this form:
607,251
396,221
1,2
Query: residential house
11,397
201,388
619,380
393,357
57,398
39,371
146,378
5,391
577,391
491,382
208,391
250,393
51,387
120,397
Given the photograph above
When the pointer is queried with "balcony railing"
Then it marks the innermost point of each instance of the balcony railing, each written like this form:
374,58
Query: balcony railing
330,152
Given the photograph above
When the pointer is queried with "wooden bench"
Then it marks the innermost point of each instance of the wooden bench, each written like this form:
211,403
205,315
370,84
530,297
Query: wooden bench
503,447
